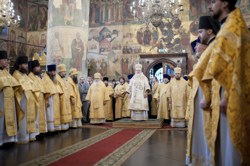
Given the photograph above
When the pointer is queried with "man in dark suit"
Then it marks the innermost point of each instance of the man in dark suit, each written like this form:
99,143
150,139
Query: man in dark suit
83,89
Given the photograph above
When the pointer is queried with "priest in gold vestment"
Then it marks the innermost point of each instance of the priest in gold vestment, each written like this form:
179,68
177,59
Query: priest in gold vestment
198,151
98,96
179,93
25,103
162,96
154,102
226,60
75,99
66,115
138,90
108,107
121,108
8,84
52,92
126,113
35,71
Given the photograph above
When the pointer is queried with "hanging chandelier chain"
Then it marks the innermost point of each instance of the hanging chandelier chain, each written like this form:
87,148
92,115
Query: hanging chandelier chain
147,11
7,14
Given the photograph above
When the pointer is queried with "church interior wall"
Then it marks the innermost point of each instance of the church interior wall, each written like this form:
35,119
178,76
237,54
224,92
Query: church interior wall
112,38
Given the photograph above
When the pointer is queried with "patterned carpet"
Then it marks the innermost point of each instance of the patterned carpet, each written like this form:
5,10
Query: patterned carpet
108,125
115,156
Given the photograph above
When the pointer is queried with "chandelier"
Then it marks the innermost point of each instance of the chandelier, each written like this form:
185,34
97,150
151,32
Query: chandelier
7,14
154,11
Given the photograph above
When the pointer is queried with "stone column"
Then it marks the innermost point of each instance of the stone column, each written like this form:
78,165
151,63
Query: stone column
68,33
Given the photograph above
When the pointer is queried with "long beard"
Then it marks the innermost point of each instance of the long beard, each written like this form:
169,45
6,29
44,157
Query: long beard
38,73
62,76
137,75
217,15
23,70
53,78
75,80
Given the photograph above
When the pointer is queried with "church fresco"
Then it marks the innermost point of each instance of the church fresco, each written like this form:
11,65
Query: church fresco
12,36
103,40
4,36
122,51
33,17
21,7
68,33
43,17
115,38
21,45
198,8
105,12
67,45
36,41
16,44
68,13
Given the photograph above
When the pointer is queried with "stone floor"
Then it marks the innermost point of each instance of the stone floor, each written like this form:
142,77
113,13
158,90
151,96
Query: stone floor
164,147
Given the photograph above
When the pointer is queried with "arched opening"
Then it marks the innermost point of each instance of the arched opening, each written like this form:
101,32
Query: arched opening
160,67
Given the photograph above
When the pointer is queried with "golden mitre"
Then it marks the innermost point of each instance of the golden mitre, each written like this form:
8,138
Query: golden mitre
97,76
41,59
73,71
61,68
177,70
138,66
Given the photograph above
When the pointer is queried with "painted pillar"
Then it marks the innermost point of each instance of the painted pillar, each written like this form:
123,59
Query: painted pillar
68,33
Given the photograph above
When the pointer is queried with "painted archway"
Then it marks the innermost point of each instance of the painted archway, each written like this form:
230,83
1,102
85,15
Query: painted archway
159,61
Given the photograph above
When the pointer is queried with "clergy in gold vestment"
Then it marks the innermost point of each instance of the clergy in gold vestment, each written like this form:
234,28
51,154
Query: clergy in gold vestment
121,108
25,103
52,99
98,96
179,94
8,84
34,67
138,90
162,96
76,103
66,115
108,108
228,61
198,151
154,100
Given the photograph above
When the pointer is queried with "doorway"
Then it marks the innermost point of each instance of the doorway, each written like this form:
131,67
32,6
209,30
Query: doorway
159,68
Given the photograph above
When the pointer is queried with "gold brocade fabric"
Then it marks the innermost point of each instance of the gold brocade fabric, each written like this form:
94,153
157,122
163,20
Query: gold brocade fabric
119,95
125,104
26,88
194,84
228,60
138,87
179,93
38,91
163,95
65,106
154,101
53,89
211,116
108,108
97,96
7,85
75,95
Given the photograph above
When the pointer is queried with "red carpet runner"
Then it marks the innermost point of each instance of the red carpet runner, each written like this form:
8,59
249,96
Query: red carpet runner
99,150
